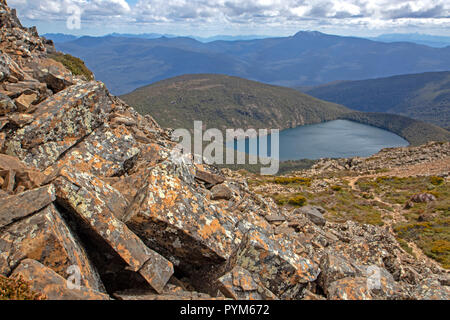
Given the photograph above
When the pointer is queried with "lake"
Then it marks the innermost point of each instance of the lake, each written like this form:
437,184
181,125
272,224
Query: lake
333,139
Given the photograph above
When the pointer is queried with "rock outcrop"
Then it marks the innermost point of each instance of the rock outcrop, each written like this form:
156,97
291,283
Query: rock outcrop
91,188
389,158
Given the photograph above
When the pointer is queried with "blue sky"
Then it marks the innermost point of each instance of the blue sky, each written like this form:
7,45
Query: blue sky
238,17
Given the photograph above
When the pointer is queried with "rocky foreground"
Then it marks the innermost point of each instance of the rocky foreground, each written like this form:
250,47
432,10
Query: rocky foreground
91,192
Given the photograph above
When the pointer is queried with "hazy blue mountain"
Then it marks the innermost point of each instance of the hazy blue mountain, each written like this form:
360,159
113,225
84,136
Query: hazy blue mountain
307,58
142,35
425,39
228,38
424,96
60,37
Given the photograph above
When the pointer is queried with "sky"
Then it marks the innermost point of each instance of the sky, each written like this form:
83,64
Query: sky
235,17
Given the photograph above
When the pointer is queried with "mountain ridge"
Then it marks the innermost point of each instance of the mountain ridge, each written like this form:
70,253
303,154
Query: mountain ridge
424,96
307,58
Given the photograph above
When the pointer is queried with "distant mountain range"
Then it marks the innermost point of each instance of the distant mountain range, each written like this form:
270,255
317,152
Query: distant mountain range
425,39
424,96
230,102
308,58
61,38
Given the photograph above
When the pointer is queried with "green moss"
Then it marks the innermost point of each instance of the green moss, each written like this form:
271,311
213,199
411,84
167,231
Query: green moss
292,180
336,188
75,65
436,180
17,289
433,237
296,200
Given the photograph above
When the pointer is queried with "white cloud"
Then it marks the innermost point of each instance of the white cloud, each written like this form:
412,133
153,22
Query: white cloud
371,14
60,9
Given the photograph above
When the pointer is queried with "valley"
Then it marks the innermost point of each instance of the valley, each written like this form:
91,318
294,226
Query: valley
230,102
424,96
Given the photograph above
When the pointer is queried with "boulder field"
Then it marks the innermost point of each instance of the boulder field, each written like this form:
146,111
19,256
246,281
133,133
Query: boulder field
94,204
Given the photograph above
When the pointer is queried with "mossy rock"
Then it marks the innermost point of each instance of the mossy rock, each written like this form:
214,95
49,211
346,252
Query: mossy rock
74,64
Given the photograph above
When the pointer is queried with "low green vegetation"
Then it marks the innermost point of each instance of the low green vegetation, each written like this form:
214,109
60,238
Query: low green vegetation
373,201
341,202
74,64
226,102
295,200
336,188
433,237
292,181
347,204
436,180
414,131
17,289
428,224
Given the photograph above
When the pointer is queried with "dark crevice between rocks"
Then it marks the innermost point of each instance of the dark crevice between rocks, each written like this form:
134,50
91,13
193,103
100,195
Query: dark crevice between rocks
127,167
112,269
9,129
200,272
316,288
204,279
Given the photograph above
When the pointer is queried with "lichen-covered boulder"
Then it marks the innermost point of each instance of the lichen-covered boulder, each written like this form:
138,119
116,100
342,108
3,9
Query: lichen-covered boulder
313,214
221,192
25,87
209,178
52,73
25,101
60,122
430,289
13,208
281,270
45,237
240,284
170,215
349,289
4,68
52,285
335,268
423,197
86,198
17,176
106,152
171,292
6,104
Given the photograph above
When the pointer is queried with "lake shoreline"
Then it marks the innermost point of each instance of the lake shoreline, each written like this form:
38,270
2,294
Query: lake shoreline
339,138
